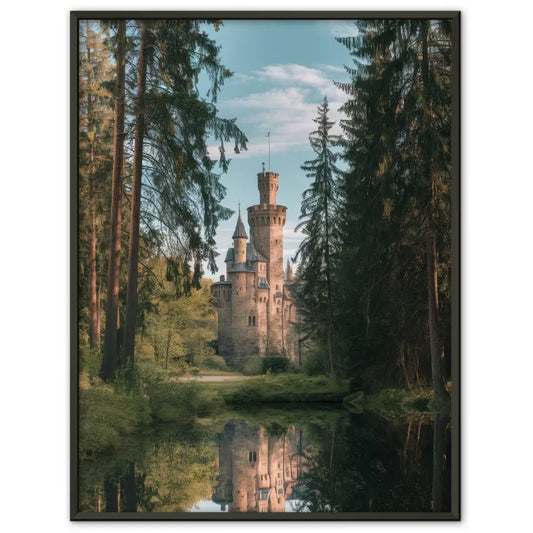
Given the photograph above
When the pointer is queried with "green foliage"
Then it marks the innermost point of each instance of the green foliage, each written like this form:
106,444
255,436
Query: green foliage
215,362
319,222
397,188
315,361
182,192
275,365
90,361
252,365
173,402
180,330
107,416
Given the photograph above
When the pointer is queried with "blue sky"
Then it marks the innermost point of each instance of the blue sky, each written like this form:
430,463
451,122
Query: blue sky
282,71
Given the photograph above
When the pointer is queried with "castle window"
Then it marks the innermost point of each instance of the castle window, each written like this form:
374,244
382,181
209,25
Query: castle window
253,321
277,310
249,320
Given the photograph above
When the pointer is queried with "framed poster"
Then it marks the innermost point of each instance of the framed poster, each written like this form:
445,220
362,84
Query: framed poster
265,265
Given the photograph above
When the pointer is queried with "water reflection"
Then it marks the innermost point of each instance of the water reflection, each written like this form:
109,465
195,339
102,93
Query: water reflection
257,470
278,461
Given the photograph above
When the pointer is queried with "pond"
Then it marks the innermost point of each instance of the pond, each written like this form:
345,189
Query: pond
276,460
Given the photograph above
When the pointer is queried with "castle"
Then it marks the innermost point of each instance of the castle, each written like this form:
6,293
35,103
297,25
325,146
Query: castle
257,472
256,315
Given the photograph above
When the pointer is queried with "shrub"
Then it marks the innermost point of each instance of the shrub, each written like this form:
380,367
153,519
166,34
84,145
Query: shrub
276,365
315,362
215,362
90,361
252,365
171,402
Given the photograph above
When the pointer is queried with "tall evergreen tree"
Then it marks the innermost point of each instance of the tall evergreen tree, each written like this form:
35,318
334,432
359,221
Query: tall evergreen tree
318,221
176,192
134,237
110,355
95,163
396,222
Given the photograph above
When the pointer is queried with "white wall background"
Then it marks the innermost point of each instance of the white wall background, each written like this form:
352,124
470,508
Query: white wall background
497,185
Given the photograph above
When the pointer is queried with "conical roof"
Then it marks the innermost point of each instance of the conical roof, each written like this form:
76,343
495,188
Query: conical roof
240,232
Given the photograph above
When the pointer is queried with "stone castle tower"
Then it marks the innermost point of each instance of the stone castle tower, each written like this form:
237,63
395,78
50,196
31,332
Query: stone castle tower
256,315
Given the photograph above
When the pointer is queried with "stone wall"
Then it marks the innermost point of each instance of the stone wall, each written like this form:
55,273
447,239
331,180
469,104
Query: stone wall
243,310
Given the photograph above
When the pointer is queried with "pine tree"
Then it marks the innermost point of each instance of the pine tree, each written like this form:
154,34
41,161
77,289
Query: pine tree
176,192
396,222
95,162
110,355
134,237
318,221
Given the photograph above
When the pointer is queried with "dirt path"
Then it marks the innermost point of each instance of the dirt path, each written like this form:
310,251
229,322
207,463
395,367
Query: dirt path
211,379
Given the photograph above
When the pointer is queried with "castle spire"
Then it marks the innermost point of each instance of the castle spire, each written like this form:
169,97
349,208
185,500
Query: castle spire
240,231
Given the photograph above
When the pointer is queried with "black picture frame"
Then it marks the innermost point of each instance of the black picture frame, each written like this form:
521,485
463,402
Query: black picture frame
455,18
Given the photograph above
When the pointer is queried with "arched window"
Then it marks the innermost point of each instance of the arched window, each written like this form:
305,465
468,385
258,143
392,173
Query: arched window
253,321
249,320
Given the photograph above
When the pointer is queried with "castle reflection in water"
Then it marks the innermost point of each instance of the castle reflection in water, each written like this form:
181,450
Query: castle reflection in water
257,471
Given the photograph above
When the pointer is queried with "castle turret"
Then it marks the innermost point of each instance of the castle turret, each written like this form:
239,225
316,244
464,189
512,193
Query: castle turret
239,241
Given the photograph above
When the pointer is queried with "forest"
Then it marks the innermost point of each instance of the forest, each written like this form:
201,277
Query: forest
371,278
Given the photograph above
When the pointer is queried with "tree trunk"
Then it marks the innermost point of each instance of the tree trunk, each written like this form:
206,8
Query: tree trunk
437,352
93,302
94,330
129,489
110,494
328,284
133,253
99,300
169,338
109,361
440,495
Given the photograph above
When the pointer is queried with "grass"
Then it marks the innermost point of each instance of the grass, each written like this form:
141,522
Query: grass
282,388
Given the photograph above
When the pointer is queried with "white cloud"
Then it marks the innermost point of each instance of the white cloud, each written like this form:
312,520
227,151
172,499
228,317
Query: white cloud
287,112
341,28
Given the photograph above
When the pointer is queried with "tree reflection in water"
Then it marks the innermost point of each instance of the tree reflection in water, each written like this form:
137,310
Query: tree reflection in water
321,461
